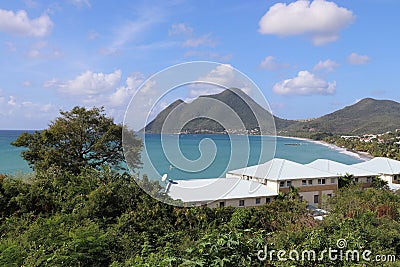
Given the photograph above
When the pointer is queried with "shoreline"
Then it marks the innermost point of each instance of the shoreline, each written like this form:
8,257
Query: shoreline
365,156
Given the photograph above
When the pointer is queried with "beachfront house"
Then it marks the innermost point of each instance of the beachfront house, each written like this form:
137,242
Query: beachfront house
259,184
280,174
387,169
221,192
360,176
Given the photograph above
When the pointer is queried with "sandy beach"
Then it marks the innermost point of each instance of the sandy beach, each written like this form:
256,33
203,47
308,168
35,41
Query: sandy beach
365,156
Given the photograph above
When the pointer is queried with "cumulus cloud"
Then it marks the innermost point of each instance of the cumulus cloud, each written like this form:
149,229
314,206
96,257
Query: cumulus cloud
305,83
356,59
124,93
328,65
269,63
204,40
91,83
19,23
321,20
222,76
180,28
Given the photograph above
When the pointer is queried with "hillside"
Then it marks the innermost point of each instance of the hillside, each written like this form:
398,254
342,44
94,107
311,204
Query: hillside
366,116
208,106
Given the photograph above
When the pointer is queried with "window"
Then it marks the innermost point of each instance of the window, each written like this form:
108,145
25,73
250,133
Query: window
333,180
289,183
301,198
222,204
241,203
282,184
356,179
267,200
321,181
303,182
368,179
309,182
316,199
258,200
329,195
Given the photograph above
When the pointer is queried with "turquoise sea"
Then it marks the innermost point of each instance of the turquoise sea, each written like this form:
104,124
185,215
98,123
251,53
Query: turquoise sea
301,151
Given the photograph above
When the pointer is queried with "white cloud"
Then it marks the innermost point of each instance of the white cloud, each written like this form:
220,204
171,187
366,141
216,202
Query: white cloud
26,83
30,3
92,35
41,50
204,40
305,83
50,83
180,28
19,23
91,83
123,94
11,101
80,3
321,20
222,76
356,59
328,65
270,63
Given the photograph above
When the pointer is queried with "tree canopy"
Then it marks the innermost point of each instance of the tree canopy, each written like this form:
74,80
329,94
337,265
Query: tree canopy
78,138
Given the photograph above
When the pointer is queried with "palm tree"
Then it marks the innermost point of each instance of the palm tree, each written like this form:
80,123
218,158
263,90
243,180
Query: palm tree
346,180
379,183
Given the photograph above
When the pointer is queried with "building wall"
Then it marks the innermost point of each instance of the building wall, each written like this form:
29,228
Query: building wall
248,202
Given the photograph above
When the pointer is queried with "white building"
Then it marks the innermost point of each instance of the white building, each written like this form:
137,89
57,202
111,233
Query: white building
279,174
360,175
259,184
388,169
220,192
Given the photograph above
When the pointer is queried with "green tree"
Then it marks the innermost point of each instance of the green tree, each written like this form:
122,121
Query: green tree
79,138
379,183
346,180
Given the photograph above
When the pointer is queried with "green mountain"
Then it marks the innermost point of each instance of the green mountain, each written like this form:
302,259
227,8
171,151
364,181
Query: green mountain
366,116
205,113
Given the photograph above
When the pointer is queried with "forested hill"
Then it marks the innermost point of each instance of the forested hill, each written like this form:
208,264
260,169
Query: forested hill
366,116
244,106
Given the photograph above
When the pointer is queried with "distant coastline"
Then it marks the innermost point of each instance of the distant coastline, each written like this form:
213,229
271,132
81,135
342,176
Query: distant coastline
365,156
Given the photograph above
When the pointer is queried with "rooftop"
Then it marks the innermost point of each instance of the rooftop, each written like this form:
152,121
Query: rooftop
380,165
339,168
207,190
282,169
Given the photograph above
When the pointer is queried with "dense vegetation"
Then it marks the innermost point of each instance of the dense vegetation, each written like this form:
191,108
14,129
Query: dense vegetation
388,147
100,217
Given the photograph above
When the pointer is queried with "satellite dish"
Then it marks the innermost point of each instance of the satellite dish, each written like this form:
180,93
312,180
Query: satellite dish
164,177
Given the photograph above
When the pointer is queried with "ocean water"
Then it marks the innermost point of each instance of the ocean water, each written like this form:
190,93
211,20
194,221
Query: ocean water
301,151
229,154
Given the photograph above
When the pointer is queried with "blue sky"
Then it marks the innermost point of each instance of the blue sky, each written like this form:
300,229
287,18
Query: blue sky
309,58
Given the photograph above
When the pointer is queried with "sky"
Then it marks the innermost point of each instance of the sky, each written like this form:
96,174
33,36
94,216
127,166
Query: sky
308,58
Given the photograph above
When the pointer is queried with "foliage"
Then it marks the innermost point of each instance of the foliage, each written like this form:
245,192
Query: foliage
78,138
